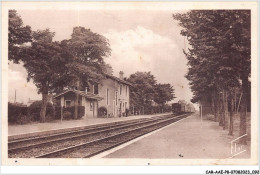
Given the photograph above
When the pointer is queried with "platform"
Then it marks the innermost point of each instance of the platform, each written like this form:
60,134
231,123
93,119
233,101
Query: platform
189,138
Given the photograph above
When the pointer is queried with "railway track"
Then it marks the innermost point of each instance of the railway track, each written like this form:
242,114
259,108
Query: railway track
21,144
86,142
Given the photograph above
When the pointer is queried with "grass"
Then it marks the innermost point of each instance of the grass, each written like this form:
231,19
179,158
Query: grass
248,125
236,126
236,123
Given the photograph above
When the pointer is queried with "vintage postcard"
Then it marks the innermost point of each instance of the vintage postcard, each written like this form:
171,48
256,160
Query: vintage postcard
129,83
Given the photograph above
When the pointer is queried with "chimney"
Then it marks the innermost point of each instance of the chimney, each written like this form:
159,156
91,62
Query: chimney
121,75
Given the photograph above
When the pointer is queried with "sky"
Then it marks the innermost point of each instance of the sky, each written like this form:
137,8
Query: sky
141,40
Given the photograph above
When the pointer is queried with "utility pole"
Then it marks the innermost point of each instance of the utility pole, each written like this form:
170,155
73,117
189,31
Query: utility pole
200,111
15,96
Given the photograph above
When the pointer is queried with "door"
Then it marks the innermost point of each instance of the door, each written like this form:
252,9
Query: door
120,109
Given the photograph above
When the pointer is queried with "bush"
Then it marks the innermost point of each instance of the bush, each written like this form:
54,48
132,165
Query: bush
102,111
17,114
81,111
57,112
71,110
35,109
67,115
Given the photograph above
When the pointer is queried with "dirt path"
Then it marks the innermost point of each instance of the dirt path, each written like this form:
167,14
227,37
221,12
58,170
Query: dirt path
187,139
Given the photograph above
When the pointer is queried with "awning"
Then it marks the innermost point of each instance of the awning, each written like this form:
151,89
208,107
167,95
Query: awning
88,95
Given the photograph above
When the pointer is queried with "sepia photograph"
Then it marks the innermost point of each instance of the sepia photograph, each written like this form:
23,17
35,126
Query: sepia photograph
129,83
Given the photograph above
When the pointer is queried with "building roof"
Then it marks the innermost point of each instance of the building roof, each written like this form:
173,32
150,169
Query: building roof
118,79
88,95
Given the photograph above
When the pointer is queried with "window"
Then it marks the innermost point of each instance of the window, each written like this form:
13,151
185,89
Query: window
125,90
120,89
95,88
87,89
91,106
116,97
67,103
107,95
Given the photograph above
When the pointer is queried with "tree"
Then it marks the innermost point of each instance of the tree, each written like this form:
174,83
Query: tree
55,65
87,50
219,55
163,94
45,62
18,34
107,69
142,92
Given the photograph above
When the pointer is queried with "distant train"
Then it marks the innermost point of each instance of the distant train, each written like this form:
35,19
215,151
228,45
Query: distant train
178,108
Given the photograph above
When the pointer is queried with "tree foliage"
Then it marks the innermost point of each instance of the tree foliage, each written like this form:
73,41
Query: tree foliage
163,93
18,34
145,91
87,50
220,51
45,62
219,56
142,92
54,65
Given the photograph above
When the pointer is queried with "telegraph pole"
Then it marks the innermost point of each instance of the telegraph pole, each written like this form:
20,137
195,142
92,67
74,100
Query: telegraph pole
15,96
200,111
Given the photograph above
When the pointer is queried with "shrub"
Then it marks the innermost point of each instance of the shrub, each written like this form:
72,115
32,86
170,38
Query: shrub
57,112
67,115
102,111
35,109
71,110
81,111
17,114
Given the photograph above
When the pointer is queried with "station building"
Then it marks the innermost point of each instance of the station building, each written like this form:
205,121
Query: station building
112,93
